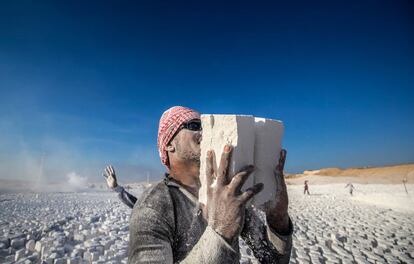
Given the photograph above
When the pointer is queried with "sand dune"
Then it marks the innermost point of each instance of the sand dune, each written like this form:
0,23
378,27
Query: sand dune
389,174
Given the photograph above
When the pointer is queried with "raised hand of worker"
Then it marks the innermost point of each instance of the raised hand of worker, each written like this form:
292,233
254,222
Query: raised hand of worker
110,177
277,209
226,202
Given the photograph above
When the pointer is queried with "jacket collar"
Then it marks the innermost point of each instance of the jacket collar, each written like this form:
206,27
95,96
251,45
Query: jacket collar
169,181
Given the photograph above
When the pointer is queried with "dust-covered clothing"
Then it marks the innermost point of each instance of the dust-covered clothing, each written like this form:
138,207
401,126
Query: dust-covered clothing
167,226
127,198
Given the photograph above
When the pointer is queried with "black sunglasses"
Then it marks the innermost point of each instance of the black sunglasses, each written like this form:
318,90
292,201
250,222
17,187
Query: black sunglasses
193,125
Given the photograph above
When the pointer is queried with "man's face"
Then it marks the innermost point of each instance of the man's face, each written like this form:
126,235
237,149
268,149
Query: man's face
187,141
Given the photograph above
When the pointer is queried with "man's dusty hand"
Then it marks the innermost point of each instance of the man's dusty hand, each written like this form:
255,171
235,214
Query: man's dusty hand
277,209
110,177
226,202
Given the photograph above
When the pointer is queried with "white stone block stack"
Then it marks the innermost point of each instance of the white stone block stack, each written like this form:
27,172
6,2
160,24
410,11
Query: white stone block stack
255,141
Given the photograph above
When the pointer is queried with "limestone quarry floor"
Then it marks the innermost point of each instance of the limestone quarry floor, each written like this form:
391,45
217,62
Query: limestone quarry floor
373,226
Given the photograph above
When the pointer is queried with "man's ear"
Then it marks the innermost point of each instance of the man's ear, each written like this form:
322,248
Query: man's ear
170,148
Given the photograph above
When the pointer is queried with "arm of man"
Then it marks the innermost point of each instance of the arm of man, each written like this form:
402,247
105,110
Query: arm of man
267,245
111,181
213,248
127,198
274,226
150,237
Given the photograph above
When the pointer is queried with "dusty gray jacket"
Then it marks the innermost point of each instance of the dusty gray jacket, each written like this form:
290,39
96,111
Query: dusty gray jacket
167,226
127,198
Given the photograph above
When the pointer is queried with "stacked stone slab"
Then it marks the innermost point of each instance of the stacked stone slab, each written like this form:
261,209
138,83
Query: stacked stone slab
267,147
48,228
255,141
219,130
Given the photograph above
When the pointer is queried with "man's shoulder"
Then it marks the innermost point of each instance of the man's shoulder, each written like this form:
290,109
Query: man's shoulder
153,212
156,197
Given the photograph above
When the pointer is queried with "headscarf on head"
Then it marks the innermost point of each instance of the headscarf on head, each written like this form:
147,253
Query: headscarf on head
170,122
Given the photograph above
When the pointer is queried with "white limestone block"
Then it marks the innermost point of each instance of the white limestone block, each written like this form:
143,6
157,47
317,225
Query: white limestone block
60,251
255,141
34,257
19,254
38,246
268,137
95,255
75,260
5,241
48,260
219,130
60,261
79,237
100,250
17,243
30,245
77,252
87,256
109,253
54,255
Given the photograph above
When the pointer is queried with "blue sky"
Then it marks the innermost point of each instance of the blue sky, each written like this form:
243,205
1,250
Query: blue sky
84,84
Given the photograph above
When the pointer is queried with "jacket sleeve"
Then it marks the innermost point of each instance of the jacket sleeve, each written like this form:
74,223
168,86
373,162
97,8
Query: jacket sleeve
266,244
152,236
213,249
125,196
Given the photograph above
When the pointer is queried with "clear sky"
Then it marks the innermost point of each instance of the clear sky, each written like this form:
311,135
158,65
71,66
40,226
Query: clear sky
83,83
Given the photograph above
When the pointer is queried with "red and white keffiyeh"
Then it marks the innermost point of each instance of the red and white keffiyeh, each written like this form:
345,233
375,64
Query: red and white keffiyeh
170,122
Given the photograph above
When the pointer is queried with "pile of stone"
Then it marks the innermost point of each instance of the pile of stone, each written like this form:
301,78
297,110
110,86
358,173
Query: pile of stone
67,228
330,227
63,228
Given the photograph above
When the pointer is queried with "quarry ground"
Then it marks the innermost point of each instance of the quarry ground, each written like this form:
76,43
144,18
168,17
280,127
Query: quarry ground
331,226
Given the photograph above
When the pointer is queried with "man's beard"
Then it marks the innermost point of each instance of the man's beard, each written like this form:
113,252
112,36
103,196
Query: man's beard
188,155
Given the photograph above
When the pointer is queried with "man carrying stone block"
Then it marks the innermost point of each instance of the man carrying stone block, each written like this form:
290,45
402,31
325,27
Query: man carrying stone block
169,225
